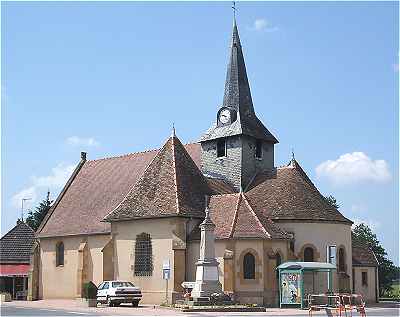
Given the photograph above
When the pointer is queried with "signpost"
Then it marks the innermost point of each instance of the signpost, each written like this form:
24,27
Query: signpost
166,273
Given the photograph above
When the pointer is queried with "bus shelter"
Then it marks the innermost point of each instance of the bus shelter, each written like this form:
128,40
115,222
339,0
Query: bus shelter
292,281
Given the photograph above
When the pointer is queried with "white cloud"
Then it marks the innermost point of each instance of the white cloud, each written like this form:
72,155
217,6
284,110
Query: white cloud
29,192
53,182
263,25
59,175
373,225
353,168
77,141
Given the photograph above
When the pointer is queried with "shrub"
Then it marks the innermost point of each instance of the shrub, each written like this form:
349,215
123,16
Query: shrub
89,290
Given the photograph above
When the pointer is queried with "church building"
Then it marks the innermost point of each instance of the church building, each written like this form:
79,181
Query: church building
125,217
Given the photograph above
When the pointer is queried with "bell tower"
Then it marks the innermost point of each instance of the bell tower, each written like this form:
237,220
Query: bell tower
238,145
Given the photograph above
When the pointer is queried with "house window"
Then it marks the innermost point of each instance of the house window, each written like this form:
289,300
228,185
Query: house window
221,147
249,267
364,278
59,254
258,149
308,254
143,255
342,260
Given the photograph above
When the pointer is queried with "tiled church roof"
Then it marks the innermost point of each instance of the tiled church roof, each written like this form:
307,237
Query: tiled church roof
171,185
16,245
96,188
287,193
234,217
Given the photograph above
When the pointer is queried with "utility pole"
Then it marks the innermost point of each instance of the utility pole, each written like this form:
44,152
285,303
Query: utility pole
22,207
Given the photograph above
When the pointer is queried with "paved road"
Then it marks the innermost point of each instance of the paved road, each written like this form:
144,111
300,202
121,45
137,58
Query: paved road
29,311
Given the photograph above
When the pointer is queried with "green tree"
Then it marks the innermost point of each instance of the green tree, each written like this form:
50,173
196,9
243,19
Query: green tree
36,217
387,270
332,201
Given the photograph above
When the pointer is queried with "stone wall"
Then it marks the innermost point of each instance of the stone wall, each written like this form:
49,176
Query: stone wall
240,164
227,167
79,266
368,291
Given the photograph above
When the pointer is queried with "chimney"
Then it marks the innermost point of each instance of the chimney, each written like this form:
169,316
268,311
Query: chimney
83,156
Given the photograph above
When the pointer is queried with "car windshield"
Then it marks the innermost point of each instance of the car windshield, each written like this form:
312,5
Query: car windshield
122,284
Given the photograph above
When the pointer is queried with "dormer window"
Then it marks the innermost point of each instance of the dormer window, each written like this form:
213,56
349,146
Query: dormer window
221,147
259,149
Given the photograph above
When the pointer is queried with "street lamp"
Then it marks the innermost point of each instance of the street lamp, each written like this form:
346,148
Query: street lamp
22,207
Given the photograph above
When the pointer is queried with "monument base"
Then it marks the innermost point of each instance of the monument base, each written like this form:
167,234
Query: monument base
204,289
207,281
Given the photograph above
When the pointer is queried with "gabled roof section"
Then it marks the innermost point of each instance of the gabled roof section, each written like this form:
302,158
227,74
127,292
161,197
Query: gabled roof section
234,217
237,96
288,194
171,185
362,255
94,189
16,245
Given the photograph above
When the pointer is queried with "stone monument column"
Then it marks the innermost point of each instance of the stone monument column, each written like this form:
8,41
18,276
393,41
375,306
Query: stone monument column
207,281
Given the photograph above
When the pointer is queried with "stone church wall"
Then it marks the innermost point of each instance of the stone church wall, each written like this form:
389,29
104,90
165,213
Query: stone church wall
67,275
240,164
318,236
252,165
228,167
230,253
168,243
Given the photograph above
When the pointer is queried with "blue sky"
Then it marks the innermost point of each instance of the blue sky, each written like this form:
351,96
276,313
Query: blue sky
110,78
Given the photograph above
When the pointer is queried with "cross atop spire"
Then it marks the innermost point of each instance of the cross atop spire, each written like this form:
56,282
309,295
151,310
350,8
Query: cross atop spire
234,11
173,134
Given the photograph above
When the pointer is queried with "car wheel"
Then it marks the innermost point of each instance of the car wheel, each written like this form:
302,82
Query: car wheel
109,302
135,303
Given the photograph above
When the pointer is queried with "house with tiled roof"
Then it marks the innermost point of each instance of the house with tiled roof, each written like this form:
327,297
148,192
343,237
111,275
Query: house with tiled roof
365,271
126,217
15,252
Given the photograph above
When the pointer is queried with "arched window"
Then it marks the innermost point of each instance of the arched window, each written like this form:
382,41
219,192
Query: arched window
249,266
143,255
59,254
308,254
342,260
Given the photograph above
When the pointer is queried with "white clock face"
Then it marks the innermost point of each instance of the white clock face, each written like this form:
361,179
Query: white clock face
225,116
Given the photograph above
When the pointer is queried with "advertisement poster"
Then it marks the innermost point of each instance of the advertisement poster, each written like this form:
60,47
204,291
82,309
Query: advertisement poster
290,288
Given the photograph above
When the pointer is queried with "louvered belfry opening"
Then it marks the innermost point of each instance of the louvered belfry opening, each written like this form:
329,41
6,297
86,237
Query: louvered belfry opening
143,255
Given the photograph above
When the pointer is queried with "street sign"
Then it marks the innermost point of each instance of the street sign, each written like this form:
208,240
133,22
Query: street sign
166,274
166,269
166,265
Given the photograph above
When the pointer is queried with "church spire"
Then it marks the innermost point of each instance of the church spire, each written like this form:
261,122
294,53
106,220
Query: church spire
237,89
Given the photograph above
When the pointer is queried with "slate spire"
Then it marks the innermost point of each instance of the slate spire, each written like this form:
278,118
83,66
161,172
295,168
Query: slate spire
237,89
237,98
